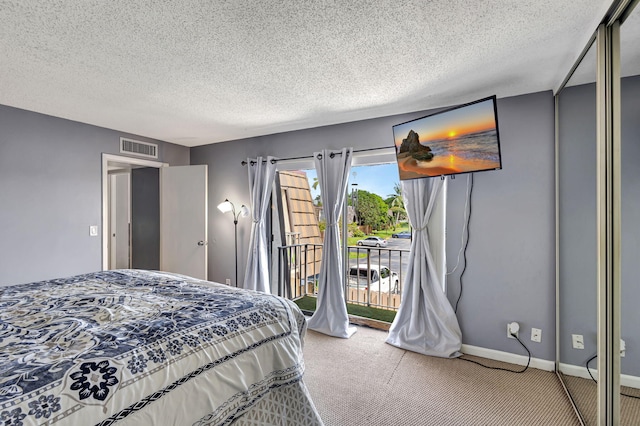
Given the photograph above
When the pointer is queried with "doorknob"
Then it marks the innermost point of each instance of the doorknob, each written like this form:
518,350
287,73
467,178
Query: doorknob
202,243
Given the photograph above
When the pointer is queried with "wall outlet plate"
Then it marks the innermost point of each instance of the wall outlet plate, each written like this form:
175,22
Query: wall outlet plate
578,341
536,335
513,328
227,281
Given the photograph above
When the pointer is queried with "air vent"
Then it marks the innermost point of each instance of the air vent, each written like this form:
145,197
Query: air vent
140,149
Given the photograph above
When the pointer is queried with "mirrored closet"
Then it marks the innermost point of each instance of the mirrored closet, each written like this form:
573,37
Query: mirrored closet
598,237
577,237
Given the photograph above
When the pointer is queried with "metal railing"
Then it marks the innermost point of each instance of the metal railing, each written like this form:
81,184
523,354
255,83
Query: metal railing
373,276
298,269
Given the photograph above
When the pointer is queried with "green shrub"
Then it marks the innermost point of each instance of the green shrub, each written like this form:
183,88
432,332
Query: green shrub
354,231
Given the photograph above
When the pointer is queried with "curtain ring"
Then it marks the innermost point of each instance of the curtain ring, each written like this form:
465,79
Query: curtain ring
253,163
333,154
319,156
273,161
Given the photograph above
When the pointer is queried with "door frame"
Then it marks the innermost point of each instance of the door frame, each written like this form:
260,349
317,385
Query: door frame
127,161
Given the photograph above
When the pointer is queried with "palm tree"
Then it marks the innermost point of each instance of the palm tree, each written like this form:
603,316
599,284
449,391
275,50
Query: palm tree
397,204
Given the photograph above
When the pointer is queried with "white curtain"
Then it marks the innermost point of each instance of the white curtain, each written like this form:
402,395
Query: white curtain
261,175
426,322
331,315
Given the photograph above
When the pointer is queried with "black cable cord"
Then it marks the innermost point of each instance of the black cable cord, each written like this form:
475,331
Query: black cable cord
592,378
589,370
504,369
466,244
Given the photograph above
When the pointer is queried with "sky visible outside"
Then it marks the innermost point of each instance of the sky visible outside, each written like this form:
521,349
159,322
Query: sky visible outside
448,124
378,179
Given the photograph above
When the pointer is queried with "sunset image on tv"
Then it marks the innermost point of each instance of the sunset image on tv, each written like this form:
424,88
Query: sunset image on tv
459,140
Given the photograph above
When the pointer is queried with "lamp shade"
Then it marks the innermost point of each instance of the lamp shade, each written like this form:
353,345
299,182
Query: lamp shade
225,206
244,211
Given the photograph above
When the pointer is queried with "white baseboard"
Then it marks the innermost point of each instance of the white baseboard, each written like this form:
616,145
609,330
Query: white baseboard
540,364
580,371
543,364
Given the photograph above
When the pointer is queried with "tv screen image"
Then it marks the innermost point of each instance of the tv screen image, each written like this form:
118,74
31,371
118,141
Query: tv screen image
463,139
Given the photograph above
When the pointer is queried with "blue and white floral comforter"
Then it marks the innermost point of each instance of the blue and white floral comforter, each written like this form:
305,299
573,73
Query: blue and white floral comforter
139,347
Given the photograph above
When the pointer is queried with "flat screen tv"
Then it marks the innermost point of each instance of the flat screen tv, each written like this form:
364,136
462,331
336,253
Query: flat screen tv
463,139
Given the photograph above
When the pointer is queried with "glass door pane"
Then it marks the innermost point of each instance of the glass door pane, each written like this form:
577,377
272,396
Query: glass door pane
577,239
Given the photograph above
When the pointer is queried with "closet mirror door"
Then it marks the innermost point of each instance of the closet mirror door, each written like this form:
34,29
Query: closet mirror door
577,236
630,232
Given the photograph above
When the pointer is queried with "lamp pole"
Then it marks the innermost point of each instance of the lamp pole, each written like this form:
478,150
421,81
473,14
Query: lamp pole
225,207
235,228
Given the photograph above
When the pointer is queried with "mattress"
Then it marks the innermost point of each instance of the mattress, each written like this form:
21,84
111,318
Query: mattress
133,347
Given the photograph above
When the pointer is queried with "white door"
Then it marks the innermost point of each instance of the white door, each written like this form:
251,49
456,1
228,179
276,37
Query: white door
183,220
120,220
119,226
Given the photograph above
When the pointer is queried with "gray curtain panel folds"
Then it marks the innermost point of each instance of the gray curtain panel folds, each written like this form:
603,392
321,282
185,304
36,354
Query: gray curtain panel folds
331,315
426,322
261,176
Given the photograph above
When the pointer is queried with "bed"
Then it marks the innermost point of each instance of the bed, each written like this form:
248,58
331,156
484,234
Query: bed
131,347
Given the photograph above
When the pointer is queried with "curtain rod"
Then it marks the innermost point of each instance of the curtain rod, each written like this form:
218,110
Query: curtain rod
309,157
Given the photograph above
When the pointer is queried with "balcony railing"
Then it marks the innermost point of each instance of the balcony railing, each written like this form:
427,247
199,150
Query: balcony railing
298,270
373,276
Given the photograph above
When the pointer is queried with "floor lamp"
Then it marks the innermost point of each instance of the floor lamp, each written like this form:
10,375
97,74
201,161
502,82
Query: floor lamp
225,207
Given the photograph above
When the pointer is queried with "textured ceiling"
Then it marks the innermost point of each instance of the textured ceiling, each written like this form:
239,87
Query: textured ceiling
629,53
200,71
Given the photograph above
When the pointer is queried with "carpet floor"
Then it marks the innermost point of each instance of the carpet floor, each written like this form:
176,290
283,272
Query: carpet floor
364,381
585,395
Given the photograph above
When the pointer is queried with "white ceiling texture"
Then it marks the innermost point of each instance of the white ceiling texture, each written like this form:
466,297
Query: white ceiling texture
194,72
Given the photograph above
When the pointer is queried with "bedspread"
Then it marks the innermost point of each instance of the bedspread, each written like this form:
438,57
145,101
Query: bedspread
140,347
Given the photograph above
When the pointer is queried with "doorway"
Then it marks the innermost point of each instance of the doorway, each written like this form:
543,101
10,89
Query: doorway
118,226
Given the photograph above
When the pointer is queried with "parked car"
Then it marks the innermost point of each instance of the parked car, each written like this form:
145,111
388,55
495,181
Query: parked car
403,234
381,278
373,242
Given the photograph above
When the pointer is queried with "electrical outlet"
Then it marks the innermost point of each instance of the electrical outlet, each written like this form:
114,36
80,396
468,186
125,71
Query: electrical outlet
536,335
578,341
93,231
623,348
228,281
513,328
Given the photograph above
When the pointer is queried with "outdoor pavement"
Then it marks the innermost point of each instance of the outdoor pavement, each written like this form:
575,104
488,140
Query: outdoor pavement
388,256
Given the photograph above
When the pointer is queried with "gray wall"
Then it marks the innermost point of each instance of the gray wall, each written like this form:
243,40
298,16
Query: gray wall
510,272
50,193
145,218
577,208
511,255
630,319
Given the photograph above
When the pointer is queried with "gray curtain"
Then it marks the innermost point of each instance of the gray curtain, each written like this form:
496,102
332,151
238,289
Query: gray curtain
261,175
426,322
331,315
